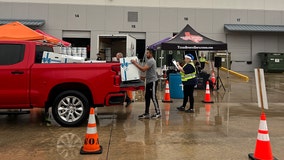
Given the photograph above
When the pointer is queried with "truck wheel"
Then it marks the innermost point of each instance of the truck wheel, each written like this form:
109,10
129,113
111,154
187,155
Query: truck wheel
70,108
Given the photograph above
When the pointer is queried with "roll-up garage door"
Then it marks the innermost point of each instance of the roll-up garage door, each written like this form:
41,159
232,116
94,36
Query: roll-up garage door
76,34
240,48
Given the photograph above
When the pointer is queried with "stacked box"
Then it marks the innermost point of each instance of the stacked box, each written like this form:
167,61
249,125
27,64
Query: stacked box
51,57
129,71
72,59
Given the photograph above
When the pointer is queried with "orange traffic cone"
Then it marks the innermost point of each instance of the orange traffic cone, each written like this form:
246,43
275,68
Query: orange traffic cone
167,112
207,98
167,96
263,148
91,145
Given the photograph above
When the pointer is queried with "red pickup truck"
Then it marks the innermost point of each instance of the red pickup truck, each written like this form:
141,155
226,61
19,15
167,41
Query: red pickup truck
69,88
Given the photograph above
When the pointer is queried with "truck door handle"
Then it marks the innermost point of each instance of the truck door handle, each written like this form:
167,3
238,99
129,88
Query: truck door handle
17,72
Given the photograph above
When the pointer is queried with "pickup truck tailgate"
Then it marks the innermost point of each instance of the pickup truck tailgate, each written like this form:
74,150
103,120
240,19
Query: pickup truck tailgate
132,85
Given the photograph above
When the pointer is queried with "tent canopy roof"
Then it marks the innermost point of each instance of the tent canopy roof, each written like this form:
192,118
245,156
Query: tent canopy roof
52,39
18,31
156,45
189,39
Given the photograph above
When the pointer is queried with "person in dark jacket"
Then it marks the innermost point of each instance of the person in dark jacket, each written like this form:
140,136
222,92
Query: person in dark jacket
189,80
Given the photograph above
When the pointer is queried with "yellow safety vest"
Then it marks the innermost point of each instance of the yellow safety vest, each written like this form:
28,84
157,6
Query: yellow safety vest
202,59
186,77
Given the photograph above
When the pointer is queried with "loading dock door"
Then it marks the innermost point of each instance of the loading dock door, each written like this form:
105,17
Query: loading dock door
240,48
79,39
76,34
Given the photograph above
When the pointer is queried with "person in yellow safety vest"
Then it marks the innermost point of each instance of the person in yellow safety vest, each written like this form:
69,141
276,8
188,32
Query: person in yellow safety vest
189,80
202,60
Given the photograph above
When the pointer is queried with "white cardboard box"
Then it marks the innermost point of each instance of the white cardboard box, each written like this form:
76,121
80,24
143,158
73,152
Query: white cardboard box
73,59
94,61
51,57
128,70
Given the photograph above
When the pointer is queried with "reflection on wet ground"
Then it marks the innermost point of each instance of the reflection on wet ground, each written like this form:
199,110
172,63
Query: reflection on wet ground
225,129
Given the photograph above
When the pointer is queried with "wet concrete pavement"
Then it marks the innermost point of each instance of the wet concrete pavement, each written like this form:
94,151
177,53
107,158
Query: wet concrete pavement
225,129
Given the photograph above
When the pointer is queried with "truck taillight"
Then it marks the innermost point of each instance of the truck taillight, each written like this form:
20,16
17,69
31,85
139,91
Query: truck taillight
116,68
117,79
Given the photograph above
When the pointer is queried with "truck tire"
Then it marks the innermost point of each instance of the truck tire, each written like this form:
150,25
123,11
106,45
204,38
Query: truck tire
70,108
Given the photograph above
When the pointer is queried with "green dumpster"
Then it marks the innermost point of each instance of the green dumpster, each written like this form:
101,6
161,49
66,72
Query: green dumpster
272,62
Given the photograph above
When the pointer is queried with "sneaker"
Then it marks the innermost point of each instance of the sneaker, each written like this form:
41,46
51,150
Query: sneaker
156,115
181,108
189,111
144,116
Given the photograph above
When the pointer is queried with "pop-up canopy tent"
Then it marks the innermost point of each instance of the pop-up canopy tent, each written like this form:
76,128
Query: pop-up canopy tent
189,39
52,39
18,31
186,41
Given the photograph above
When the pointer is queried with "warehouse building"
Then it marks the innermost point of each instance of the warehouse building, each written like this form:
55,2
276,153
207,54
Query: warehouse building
248,27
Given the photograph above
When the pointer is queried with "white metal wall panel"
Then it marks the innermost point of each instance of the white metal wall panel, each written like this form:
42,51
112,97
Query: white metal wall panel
220,17
57,16
114,18
76,17
273,17
6,10
186,16
132,12
216,4
168,19
20,11
239,16
204,20
148,16
95,17
256,17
